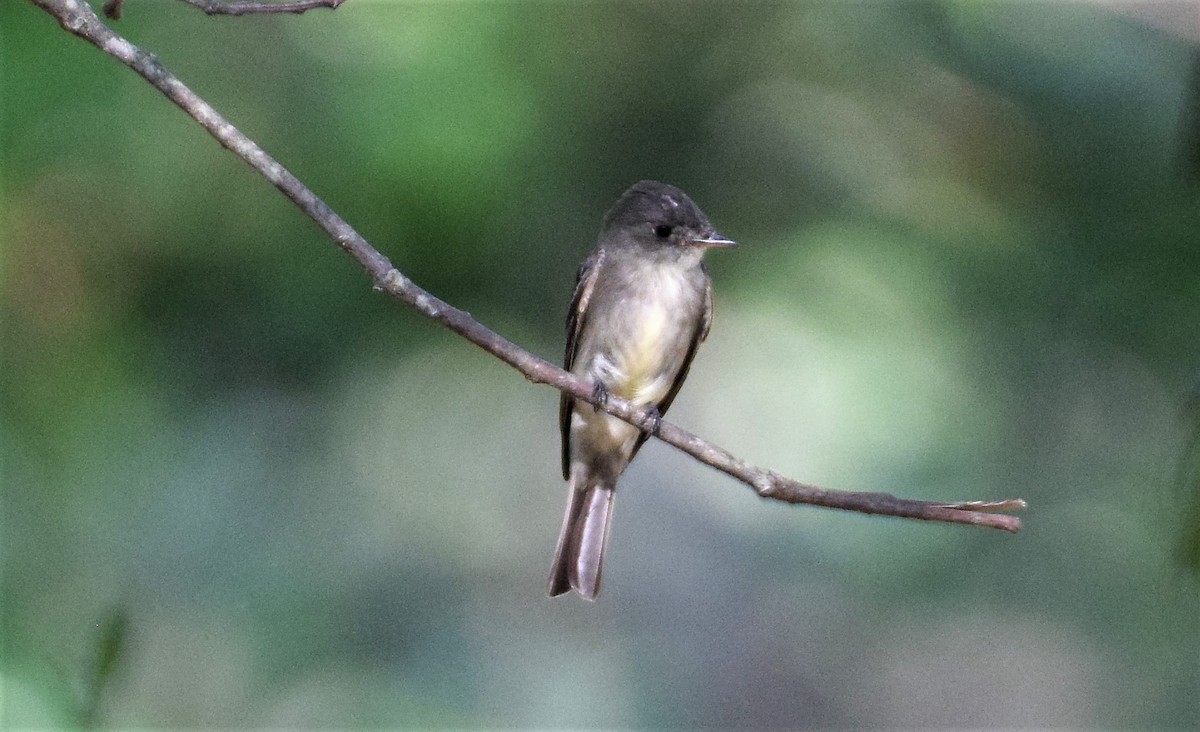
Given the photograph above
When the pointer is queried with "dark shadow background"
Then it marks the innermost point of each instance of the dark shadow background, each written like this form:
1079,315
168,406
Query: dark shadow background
240,489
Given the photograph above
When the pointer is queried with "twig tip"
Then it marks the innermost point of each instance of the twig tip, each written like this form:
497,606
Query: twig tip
1005,506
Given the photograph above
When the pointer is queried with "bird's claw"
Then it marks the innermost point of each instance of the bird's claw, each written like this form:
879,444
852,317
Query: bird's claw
654,417
599,396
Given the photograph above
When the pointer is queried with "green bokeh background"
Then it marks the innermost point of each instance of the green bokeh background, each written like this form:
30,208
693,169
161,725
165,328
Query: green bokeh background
240,489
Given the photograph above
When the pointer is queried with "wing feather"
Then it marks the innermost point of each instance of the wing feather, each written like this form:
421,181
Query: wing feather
585,282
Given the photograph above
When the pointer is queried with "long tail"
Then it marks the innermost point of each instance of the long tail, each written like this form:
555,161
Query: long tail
579,556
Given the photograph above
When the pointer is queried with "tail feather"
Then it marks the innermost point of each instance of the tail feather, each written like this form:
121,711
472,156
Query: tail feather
579,556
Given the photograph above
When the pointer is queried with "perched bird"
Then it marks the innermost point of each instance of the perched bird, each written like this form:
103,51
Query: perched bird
642,305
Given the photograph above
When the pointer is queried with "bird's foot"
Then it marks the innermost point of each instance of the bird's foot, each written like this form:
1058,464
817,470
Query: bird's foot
599,396
654,417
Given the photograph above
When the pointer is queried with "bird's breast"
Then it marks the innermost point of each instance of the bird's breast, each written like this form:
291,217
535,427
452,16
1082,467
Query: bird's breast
651,322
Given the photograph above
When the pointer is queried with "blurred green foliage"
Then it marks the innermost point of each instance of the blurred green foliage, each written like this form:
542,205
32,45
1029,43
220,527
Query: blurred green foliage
240,489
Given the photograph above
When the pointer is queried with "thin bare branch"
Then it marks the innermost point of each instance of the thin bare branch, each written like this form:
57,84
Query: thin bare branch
77,17
114,8
249,7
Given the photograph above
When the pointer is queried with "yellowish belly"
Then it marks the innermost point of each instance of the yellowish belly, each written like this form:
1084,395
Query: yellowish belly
644,361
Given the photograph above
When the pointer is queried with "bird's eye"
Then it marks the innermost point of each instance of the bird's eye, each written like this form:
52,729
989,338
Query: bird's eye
662,231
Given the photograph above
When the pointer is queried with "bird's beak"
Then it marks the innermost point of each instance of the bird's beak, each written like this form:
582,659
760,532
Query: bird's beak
713,240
